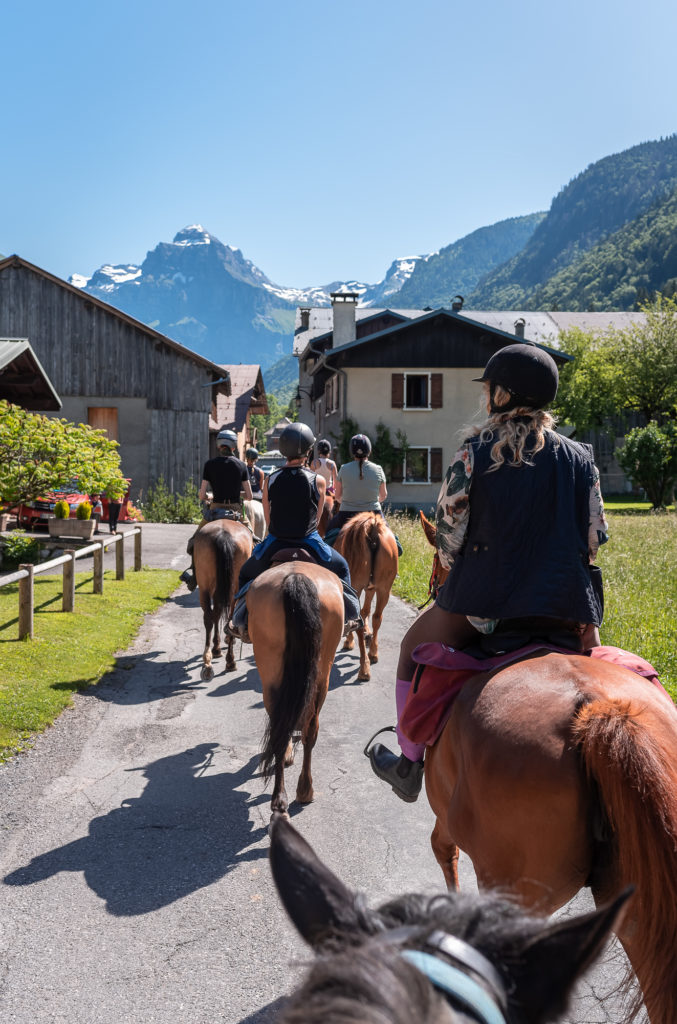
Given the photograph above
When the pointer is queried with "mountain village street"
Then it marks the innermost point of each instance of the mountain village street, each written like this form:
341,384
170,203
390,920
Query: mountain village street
134,882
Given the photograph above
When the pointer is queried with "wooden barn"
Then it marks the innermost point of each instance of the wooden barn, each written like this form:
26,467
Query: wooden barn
151,394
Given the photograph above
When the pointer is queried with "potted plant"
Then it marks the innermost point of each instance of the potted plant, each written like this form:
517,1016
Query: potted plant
82,526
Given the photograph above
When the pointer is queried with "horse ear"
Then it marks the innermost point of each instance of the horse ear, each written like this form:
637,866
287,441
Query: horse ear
563,951
316,900
428,528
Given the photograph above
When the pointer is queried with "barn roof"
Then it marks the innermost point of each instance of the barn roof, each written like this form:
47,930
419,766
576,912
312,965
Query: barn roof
247,393
23,380
18,261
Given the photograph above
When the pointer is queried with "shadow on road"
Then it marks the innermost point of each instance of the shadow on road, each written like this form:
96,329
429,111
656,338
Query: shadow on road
189,827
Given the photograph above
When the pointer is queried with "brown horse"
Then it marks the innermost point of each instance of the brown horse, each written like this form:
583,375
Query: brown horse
433,960
220,550
559,772
329,508
295,624
370,549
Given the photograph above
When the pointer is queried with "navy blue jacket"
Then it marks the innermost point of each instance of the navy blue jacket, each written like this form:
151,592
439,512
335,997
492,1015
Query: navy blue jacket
526,548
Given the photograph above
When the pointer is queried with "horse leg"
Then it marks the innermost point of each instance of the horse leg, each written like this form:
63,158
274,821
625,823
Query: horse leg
304,788
349,642
446,854
366,612
207,672
279,803
231,663
365,671
377,618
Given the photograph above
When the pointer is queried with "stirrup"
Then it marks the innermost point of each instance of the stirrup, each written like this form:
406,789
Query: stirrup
386,728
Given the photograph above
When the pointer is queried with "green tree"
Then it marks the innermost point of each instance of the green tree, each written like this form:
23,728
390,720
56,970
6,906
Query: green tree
384,452
649,457
40,453
634,369
262,422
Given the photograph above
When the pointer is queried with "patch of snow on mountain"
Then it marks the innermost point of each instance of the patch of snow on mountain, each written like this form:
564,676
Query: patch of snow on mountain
120,274
194,234
78,280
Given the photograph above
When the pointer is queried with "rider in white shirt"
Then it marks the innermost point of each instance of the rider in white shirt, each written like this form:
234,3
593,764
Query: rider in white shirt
324,465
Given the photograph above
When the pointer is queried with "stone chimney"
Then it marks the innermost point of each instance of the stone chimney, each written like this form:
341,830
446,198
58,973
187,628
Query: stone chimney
305,317
343,306
457,304
519,327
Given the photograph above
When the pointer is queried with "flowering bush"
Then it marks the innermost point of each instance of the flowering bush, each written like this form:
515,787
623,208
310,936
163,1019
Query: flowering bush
134,513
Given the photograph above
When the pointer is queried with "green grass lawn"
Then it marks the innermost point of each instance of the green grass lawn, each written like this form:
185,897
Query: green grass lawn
639,565
70,650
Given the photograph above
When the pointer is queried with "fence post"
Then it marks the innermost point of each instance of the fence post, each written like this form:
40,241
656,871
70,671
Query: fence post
68,602
120,557
137,550
26,604
98,569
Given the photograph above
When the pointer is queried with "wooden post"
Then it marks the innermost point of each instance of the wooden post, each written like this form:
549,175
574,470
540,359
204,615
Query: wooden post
120,557
26,604
137,550
98,569
68,602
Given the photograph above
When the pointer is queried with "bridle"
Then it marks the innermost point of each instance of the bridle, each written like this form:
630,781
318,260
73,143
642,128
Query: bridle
434,582
445,961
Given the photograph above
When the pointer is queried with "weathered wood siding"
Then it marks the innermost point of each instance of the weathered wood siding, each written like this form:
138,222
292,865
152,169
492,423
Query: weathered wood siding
88,351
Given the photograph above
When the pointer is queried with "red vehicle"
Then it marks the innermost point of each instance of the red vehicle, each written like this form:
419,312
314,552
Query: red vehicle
36,513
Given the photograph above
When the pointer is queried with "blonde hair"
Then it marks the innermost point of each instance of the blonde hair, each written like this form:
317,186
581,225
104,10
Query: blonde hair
510,430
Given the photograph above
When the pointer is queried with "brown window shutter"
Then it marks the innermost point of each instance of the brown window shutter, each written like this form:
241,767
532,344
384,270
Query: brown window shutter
397,391
436,468
397,467
436,390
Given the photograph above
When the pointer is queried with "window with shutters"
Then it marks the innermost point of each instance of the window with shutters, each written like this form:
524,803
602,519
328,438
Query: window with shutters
420,465
331,395
417,391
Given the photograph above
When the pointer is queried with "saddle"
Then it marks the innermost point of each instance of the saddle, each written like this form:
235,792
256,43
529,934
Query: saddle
292,555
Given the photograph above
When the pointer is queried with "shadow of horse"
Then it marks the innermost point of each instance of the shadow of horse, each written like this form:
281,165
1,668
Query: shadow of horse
188,828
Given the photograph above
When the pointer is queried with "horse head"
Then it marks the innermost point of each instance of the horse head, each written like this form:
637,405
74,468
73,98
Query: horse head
447,958
438,573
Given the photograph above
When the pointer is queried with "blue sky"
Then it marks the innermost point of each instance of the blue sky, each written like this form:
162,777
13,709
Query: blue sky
322,139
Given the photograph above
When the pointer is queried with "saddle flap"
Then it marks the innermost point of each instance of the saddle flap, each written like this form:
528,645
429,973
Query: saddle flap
292,555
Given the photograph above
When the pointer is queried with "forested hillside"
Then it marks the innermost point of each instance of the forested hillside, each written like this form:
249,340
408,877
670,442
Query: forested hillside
457,268
594,205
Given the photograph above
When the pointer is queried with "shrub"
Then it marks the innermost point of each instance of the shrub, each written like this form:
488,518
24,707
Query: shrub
162,506
84,510
649,457
18,549
62,509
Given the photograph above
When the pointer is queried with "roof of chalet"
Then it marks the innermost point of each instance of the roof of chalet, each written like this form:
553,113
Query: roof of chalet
247,393
23,380
541,328
18,261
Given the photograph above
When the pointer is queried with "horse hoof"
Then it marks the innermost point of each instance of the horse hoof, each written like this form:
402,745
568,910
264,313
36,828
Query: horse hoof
363,677
373,658
289,760
217,653
231,666
207,673
278,814
305,798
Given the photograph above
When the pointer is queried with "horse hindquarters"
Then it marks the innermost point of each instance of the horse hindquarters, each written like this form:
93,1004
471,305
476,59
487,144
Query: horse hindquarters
629,749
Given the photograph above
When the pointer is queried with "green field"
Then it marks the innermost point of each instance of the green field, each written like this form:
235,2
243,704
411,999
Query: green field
639,565
70,650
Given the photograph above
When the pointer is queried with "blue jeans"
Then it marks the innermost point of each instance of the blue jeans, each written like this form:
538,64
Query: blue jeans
263,555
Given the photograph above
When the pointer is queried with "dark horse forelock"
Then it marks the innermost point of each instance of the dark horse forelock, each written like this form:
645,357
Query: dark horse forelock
303,629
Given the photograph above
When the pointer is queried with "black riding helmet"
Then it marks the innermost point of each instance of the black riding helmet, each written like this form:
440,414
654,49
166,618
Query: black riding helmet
251,453
527,372
296,440
360,446
323,447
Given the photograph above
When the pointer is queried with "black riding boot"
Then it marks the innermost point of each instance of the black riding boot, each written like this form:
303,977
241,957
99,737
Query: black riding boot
404,776
188,577
237,626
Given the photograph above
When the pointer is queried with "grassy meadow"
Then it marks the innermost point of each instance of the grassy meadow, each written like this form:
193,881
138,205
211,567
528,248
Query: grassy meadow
639,565
71,650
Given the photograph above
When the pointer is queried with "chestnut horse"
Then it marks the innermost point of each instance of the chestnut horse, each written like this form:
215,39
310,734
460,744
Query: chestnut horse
220,550
370,549
559,772
328,510
432,960
295,624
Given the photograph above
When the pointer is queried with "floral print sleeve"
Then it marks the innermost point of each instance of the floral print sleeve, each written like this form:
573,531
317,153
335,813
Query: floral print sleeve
598,527
453,506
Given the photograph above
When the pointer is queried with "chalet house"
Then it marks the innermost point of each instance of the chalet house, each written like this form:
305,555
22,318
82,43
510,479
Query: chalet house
152,395
22,379
247,397
412,371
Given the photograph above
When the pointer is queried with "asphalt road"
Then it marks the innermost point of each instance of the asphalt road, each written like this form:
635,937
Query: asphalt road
134,884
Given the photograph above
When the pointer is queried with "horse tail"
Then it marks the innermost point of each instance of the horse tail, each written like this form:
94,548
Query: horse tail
373,535
224,550
631,754
303,631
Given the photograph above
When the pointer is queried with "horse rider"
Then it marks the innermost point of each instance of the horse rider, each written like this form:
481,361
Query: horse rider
360,487
324,466
256,475
293,497
520,519
226,476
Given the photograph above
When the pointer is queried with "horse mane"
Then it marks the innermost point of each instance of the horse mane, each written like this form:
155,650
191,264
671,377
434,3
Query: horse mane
362,978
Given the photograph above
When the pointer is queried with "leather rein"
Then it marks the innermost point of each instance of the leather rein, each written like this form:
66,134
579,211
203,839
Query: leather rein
433,582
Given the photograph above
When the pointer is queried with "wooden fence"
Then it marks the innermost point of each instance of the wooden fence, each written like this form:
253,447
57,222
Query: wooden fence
25,574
